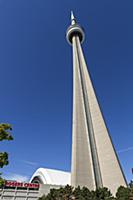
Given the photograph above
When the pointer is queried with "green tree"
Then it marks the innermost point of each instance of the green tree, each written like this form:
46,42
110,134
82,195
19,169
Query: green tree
131,184
53,195
66,193
86,194
123,193
69,193
77,193
4,135
102,194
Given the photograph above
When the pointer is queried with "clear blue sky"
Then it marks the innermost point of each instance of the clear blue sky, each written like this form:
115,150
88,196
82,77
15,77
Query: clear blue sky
36,78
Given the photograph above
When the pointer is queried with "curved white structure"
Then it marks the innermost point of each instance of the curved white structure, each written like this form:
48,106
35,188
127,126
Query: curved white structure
51,177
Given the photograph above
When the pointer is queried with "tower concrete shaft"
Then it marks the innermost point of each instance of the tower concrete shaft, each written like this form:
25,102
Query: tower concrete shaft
94,160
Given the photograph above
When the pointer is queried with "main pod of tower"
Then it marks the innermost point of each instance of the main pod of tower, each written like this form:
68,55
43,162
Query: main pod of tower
94,160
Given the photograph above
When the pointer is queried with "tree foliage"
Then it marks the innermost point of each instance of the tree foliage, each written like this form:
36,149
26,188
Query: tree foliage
69,193
124,193
4,135
102,193
5,132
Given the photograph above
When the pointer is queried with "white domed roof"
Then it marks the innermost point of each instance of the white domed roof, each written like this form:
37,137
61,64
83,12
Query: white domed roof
52,177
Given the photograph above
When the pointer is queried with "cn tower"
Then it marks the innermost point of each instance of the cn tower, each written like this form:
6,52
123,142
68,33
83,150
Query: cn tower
94,160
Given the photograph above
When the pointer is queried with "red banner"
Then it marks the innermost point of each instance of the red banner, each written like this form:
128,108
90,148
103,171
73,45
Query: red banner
21,185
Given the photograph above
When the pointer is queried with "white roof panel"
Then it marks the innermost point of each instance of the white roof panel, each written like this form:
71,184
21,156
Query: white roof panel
52,176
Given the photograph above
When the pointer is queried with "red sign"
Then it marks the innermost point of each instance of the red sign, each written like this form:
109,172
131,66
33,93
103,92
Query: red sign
21,185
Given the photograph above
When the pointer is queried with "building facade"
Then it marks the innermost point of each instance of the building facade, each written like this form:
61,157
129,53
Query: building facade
14,190
41,182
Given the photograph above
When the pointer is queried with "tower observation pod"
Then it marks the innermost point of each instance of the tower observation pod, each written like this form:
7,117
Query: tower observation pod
94,160
74,30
